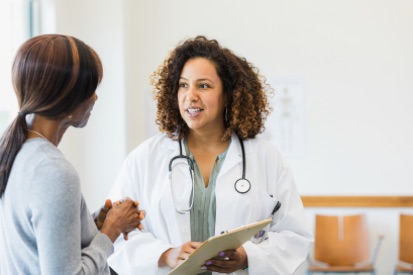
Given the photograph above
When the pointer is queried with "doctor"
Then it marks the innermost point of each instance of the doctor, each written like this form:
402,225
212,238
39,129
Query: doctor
209,172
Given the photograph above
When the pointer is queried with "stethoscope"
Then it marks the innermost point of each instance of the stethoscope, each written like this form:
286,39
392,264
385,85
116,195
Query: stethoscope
242,185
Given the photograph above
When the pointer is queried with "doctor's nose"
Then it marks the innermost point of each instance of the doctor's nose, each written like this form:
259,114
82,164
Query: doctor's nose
192,95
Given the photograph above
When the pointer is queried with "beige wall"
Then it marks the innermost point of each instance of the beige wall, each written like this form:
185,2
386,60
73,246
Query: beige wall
354,58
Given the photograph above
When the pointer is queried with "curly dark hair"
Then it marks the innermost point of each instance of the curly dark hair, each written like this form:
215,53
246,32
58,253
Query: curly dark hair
244,88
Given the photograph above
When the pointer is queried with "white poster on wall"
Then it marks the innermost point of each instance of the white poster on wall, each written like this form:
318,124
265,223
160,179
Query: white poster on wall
286,126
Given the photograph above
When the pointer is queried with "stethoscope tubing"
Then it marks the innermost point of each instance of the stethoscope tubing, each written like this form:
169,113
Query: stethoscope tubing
243,156
241,185
191,164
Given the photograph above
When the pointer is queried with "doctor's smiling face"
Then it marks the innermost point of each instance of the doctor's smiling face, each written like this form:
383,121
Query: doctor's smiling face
200,96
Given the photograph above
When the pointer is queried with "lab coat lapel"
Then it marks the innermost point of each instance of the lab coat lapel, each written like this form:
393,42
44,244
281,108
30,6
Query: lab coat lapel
183,229
174,147
230,172
233,157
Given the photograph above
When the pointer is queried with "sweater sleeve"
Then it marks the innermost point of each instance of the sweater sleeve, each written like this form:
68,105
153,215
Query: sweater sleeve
57,218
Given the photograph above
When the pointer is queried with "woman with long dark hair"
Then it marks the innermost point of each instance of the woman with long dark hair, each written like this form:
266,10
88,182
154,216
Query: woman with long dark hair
45,225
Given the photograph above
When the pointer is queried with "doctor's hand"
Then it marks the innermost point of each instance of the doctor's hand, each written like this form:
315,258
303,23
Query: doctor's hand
122,218
227,261
176,255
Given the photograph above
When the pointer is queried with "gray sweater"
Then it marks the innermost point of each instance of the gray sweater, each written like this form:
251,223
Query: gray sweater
45,226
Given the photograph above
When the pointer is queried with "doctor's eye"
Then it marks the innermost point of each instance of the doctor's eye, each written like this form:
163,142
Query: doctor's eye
204,86
182,85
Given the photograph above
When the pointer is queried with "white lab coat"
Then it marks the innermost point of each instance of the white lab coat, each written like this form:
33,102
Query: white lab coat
144,177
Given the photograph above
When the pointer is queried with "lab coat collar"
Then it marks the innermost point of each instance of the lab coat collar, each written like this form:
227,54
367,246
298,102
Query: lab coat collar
173,146
234,154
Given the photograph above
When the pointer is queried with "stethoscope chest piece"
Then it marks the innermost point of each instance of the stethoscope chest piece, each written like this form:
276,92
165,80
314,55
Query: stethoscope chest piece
242,186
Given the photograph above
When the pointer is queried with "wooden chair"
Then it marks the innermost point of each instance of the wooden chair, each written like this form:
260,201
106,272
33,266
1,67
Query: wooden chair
405,264
341,245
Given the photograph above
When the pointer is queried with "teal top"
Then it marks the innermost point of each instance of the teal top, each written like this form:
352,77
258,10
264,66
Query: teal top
203,212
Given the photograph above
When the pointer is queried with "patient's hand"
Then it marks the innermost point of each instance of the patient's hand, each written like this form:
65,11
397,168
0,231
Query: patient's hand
121,217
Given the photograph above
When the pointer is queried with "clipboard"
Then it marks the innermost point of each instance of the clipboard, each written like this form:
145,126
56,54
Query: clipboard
231,239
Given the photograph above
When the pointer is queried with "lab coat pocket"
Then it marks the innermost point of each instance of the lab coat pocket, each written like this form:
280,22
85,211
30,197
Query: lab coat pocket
257,204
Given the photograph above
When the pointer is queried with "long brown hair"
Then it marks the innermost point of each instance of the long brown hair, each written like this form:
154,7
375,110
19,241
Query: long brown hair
52,75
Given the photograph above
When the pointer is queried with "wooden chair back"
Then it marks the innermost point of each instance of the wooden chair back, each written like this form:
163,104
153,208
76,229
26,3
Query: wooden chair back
341,240
406,238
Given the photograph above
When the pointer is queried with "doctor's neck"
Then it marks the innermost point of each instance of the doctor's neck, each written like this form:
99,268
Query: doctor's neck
211,139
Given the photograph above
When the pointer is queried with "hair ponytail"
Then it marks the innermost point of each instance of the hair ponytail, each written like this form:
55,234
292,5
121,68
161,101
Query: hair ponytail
10,144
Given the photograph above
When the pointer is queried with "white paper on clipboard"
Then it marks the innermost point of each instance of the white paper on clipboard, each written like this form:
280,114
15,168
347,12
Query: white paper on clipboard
210,248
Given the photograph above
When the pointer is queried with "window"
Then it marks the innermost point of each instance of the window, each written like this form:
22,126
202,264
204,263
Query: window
16,26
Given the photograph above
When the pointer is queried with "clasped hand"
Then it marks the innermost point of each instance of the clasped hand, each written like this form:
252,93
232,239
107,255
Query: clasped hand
119,217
